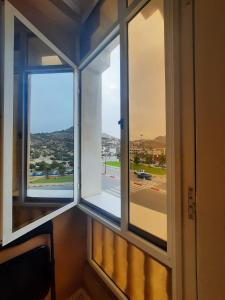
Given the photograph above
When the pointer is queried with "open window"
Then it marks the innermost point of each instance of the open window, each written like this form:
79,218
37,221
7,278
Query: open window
100,132
40,167
124,132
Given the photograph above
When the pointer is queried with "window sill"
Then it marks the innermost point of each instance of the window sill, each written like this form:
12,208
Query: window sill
106,202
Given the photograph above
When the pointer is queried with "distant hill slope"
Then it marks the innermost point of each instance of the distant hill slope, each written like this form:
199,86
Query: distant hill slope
57,144
158,142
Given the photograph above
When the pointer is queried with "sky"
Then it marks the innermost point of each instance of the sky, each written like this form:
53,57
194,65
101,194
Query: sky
111,95
52,94
147,73
51,102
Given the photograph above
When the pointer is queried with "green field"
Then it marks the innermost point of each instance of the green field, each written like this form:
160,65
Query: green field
59,179
113,164
148,169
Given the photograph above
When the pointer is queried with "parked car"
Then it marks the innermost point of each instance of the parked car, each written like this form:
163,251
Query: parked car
144,175
139,171
38,173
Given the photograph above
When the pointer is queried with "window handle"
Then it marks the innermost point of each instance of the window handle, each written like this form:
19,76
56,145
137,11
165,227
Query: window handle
121,123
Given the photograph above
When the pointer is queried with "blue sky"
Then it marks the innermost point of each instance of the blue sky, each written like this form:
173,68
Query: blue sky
52,99
111,95
51,102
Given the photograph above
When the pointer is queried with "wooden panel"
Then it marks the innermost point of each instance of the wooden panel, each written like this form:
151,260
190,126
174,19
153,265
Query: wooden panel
210,147
97,243
120,262
70,252
138,275
156,285
108,252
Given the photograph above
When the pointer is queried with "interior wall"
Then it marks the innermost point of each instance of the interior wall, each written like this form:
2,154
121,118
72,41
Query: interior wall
70,252
210,146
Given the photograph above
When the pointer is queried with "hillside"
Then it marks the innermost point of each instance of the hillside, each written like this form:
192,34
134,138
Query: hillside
57,144
158,142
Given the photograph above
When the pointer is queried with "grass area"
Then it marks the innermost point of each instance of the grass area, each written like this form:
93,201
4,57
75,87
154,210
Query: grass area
113,164
148,169
59,179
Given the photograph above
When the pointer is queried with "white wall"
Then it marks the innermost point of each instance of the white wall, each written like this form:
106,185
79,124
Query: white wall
91,132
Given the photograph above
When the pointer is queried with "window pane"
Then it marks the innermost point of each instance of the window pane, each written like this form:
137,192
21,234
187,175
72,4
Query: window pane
148,179
94,29
43,139
51,156
100,130
41,55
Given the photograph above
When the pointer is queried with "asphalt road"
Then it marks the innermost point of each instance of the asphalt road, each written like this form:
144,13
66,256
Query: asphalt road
142,192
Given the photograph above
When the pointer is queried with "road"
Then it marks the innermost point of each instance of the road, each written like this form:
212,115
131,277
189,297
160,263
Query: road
147,193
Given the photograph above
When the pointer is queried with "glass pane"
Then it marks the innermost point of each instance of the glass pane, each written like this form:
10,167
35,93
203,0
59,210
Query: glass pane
94,29
41,55
100,159
43,139
51,157
148,168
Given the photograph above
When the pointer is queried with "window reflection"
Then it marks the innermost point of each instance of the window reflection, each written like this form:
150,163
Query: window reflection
148,162
40,54
100,21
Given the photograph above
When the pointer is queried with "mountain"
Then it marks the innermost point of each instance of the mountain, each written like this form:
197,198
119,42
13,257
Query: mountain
158,142
108,136
57,144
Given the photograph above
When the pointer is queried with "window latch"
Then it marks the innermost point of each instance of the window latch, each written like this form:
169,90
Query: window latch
121,123
191,203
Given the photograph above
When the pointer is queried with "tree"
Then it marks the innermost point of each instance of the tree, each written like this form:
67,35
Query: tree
32,166
137,159
162,159
149,159
43,166
47,169
62,169
54,164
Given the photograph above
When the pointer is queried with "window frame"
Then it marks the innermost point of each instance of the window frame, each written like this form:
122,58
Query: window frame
26,72
84,203
173,135
7,234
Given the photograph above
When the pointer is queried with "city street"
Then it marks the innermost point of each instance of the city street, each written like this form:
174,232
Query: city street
147,193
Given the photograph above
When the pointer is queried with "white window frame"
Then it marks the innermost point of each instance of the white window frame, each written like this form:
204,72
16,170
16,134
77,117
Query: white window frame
173,256
7,234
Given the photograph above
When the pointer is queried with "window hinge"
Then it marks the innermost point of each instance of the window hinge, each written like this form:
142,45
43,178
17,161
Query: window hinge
191,203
